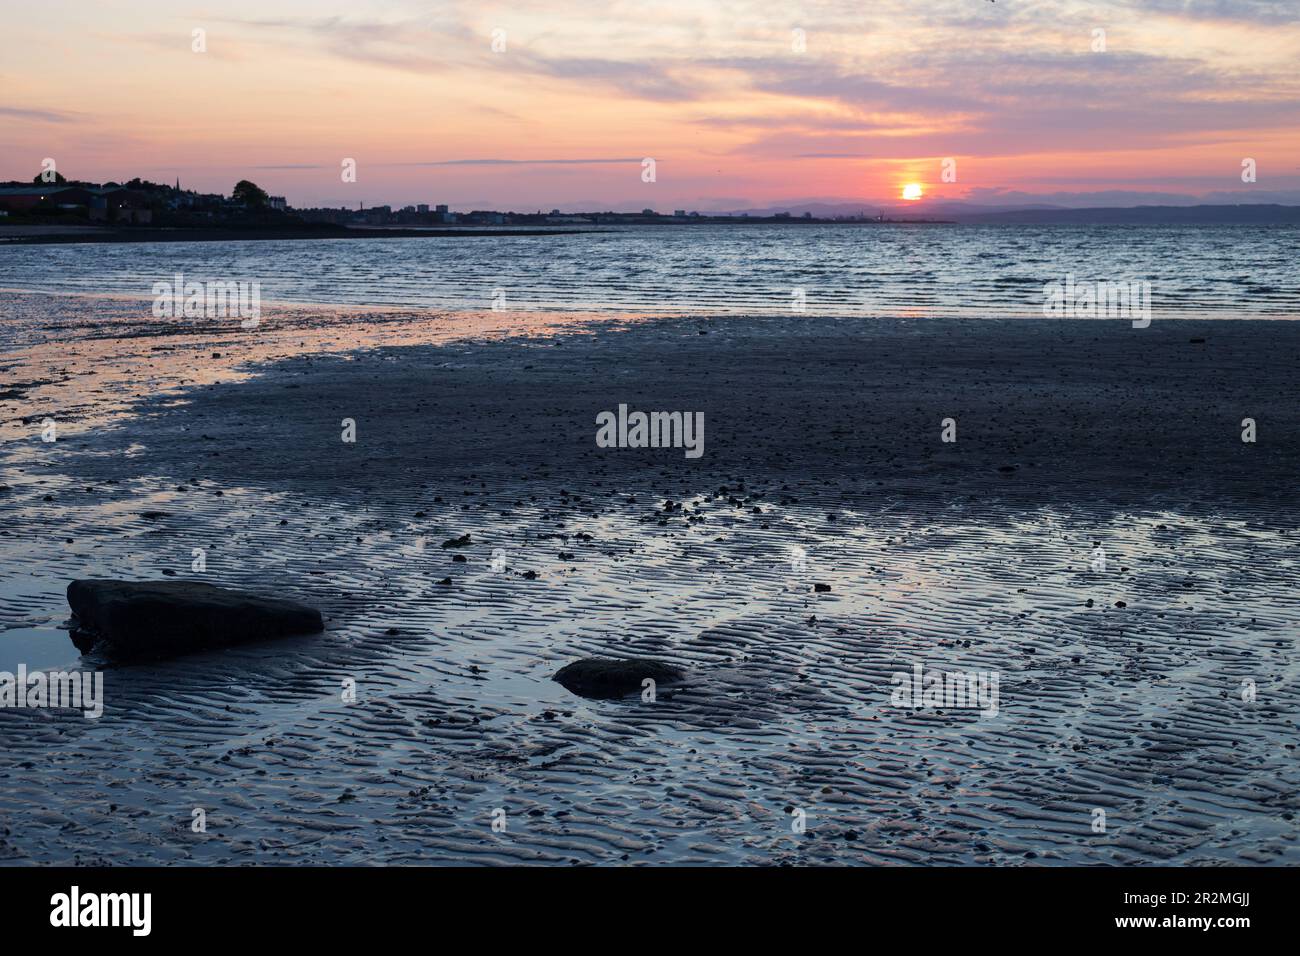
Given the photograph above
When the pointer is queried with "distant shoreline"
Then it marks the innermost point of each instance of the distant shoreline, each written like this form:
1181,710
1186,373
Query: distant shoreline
41,234
48,234
1164,217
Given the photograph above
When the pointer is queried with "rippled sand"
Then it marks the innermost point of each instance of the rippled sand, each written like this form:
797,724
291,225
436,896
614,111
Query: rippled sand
1119,690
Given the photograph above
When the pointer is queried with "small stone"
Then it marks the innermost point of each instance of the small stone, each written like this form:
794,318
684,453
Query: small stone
605,678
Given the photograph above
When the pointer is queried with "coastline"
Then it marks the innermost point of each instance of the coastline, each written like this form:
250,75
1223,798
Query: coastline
64,235
1118,689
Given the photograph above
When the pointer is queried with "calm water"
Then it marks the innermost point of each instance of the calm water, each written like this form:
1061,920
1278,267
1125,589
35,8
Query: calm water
1220,272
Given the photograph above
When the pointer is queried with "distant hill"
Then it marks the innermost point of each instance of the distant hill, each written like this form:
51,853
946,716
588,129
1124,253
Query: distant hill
1043,214
1253,215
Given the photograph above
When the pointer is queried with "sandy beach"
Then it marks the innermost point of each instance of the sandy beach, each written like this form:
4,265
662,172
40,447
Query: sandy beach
826,539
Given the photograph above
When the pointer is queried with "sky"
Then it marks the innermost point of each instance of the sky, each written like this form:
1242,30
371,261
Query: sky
739,103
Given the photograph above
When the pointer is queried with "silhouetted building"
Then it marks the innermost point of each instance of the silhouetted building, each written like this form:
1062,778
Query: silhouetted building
115,204
22,198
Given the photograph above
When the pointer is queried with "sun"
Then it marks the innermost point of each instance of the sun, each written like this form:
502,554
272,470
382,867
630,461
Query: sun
912,191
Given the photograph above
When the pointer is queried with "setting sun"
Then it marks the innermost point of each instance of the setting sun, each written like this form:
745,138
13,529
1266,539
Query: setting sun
912,191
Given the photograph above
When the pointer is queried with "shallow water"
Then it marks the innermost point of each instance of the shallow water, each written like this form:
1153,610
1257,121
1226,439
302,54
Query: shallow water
36,648
918,270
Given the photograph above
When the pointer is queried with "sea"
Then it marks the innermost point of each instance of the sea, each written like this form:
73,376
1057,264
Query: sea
909,270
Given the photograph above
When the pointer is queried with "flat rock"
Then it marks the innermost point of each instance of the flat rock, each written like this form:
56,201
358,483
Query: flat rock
606,678
154,619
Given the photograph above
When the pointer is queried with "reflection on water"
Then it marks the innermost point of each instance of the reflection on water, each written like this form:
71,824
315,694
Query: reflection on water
845,270
84,360
36,648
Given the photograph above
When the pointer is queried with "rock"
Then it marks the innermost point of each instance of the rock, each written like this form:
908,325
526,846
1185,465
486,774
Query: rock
605,678
460,542
154,619
821,587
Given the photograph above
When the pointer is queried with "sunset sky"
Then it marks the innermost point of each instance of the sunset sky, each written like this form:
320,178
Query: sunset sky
716,91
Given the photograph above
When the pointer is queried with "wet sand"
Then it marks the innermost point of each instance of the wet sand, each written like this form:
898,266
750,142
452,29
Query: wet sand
1120,689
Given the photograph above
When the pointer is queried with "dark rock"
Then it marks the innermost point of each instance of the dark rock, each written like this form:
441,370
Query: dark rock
460,542
154,619
821,587
606,678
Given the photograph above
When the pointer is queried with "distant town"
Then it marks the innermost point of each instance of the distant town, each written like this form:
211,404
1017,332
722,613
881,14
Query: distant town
62,210
438,215
139,202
